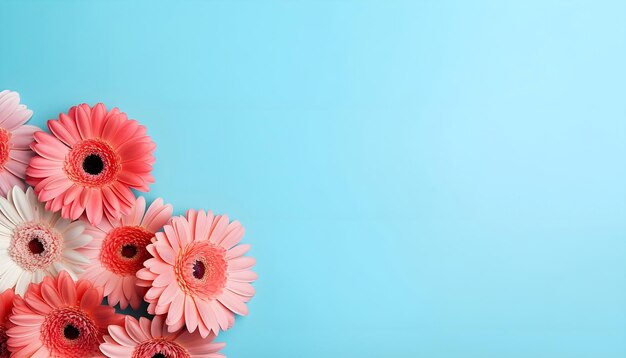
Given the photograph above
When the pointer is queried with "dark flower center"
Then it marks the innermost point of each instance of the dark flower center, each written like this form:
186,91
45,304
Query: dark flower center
129,251
4,349
93,164
199,269
159,355
71,332
35,246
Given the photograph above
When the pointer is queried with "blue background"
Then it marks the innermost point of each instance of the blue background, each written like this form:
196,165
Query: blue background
418,179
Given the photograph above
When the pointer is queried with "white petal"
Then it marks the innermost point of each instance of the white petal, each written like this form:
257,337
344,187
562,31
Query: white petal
22,282
22,205
9,277
5,241
7,208
36,207
73,230
51,270
59,266
38,276
5,231
5,262
79,241
6,223
75,257
59,223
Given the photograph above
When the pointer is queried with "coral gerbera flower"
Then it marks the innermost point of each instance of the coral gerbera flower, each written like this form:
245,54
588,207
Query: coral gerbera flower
35,243
197,276
15,141
149,339
118,250
90,162
60,318
6,306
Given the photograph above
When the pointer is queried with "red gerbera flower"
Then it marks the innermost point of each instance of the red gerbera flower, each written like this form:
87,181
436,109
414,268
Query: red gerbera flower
118,250
60,318
6,306
90,162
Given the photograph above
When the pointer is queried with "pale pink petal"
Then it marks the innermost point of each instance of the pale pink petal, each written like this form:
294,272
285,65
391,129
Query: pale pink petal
135,215
119,334
241,263
134,331
191,315
157,215
237,251
234,233
22,137
233,303
242,276
219,228
240,288
116,351
176,310
208,316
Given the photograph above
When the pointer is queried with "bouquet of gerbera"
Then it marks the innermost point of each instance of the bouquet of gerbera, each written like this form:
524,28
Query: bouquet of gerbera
78,235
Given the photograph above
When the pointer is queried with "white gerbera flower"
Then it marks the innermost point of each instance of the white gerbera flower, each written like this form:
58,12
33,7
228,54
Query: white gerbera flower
35,243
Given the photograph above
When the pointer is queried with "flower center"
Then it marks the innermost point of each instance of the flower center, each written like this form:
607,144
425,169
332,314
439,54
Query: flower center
124,249
4,349
200,269
160,348
129,251
35,246
92,163
70,332
5,137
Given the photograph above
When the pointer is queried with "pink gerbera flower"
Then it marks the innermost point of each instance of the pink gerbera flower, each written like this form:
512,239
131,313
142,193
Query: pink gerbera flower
60,318
90,162
6,306
197,276
118,250
151,339
15,141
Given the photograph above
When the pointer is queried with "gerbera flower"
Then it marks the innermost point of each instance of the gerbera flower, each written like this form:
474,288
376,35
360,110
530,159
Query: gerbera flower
35,242
6,306
90,162
60,318
197,276
118,250
15,141
150,339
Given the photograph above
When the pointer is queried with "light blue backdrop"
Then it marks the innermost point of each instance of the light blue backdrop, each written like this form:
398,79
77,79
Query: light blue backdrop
418,179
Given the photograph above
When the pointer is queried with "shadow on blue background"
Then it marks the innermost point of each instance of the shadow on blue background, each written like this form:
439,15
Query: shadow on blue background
417,178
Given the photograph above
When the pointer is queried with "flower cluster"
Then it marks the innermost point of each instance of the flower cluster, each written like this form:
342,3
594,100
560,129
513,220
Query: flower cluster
72,233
